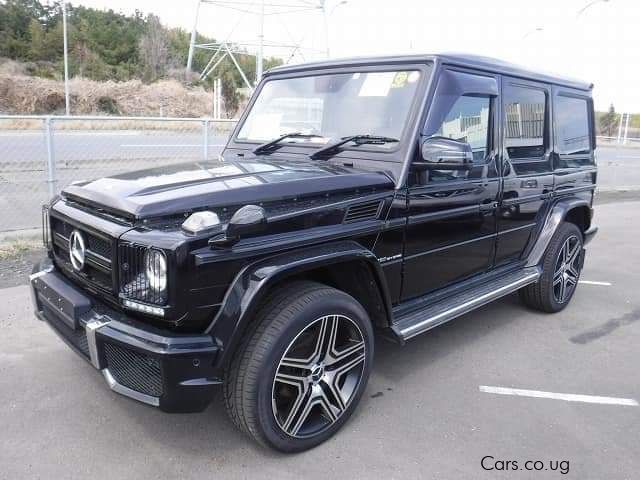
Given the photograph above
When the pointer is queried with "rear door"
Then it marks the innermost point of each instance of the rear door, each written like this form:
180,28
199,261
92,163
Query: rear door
451,226
527,166
574,165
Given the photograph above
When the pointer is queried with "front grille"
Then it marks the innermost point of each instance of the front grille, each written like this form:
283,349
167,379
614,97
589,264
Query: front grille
97,270
134,283
134,370
77,338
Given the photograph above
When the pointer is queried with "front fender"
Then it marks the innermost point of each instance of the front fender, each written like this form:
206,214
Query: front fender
556,215
251,284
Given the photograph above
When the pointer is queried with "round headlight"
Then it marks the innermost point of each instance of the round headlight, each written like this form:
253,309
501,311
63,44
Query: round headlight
155,269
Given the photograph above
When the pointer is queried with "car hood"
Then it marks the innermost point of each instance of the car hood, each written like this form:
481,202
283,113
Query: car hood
183,187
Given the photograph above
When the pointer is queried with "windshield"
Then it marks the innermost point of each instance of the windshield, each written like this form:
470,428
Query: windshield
327,108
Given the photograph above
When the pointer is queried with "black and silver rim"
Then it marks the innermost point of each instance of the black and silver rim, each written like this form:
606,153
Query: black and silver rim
318,376
567,271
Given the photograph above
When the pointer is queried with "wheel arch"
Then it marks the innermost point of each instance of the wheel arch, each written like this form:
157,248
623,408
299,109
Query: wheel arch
360,275
571,209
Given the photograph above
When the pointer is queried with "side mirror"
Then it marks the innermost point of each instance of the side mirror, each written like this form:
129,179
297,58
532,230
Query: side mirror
442,153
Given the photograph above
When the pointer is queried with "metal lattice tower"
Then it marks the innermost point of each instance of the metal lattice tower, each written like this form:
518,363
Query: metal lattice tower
260,9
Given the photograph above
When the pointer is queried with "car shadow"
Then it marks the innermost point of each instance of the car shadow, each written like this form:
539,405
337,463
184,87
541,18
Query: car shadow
211,433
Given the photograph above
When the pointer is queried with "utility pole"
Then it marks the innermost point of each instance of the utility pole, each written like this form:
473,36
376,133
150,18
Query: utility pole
260,55
620,128
192,43
626,129
66,60
323,6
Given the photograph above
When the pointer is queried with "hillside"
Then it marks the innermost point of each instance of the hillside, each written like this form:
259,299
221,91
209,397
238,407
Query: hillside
24,94
135,62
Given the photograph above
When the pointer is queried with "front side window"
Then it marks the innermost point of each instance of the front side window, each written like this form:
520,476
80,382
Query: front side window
468,122
333,106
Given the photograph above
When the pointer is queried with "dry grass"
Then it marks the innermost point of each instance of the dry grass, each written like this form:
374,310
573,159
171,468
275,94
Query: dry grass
22,94
17,248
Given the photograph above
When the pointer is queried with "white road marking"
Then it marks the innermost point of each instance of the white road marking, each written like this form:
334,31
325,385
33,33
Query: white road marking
568,397
172,146
591,282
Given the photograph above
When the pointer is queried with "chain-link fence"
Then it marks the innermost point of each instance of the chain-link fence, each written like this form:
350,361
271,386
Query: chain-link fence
41,155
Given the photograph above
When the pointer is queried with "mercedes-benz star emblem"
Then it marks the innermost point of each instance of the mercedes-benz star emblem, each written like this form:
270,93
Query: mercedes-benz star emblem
77,250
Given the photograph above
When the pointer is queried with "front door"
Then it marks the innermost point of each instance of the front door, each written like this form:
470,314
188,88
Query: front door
451,225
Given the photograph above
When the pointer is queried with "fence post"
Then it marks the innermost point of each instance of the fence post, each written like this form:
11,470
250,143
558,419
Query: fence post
205,146
51,160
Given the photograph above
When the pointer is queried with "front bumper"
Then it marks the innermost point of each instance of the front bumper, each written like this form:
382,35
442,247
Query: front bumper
173,372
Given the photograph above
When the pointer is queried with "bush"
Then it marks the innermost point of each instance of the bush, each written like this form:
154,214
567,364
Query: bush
108,105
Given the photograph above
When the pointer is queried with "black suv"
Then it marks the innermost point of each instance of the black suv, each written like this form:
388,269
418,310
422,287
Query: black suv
374,196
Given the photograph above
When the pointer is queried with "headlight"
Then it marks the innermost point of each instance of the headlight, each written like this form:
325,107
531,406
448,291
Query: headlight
155,269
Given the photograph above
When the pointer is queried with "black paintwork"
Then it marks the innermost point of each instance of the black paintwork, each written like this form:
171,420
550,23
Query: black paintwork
429,240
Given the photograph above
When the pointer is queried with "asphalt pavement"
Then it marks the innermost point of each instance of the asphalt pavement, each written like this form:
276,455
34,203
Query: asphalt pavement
423,415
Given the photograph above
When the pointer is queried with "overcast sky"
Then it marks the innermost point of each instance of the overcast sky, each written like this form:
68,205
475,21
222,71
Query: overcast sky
602,45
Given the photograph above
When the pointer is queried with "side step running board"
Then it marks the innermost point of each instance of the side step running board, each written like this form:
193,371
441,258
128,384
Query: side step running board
419,321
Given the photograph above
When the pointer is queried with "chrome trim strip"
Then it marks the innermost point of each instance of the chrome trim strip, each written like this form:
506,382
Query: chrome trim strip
127,392
461,309
90,329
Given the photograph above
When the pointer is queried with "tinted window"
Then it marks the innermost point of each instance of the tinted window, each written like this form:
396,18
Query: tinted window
572,126
468,122
525,114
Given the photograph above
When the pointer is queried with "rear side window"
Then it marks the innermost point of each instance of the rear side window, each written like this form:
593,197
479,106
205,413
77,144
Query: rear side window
573,138
525,111
527,137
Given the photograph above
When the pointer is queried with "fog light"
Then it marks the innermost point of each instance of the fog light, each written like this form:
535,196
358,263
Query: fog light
141,307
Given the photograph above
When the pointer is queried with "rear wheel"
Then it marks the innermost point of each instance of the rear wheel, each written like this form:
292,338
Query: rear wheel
561,269
301,373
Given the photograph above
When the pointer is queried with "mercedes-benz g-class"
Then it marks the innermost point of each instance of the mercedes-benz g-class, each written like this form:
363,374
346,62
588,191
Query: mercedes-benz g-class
374,196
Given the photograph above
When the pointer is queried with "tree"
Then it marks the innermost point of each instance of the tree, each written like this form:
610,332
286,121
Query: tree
230,95
154,49
608,121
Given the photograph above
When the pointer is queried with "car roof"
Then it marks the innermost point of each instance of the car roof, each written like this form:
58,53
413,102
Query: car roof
487,64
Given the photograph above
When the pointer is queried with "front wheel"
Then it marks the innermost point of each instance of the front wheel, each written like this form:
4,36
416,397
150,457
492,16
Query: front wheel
561,269
301,373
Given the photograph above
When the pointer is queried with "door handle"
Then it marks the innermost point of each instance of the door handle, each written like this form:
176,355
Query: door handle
487,207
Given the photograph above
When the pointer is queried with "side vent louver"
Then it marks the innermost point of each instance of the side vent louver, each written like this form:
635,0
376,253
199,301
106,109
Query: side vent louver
363,211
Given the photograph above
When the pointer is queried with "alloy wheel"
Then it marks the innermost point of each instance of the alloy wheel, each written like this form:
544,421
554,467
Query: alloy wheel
567,271
318,376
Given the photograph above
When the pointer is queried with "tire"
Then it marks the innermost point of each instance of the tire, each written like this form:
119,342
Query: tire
552,296
316,389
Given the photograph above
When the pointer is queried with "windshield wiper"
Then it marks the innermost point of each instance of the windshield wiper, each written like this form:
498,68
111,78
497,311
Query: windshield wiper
357,139
270,145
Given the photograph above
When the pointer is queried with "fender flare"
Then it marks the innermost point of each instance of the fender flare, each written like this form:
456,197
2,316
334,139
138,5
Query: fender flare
252,282
555,216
